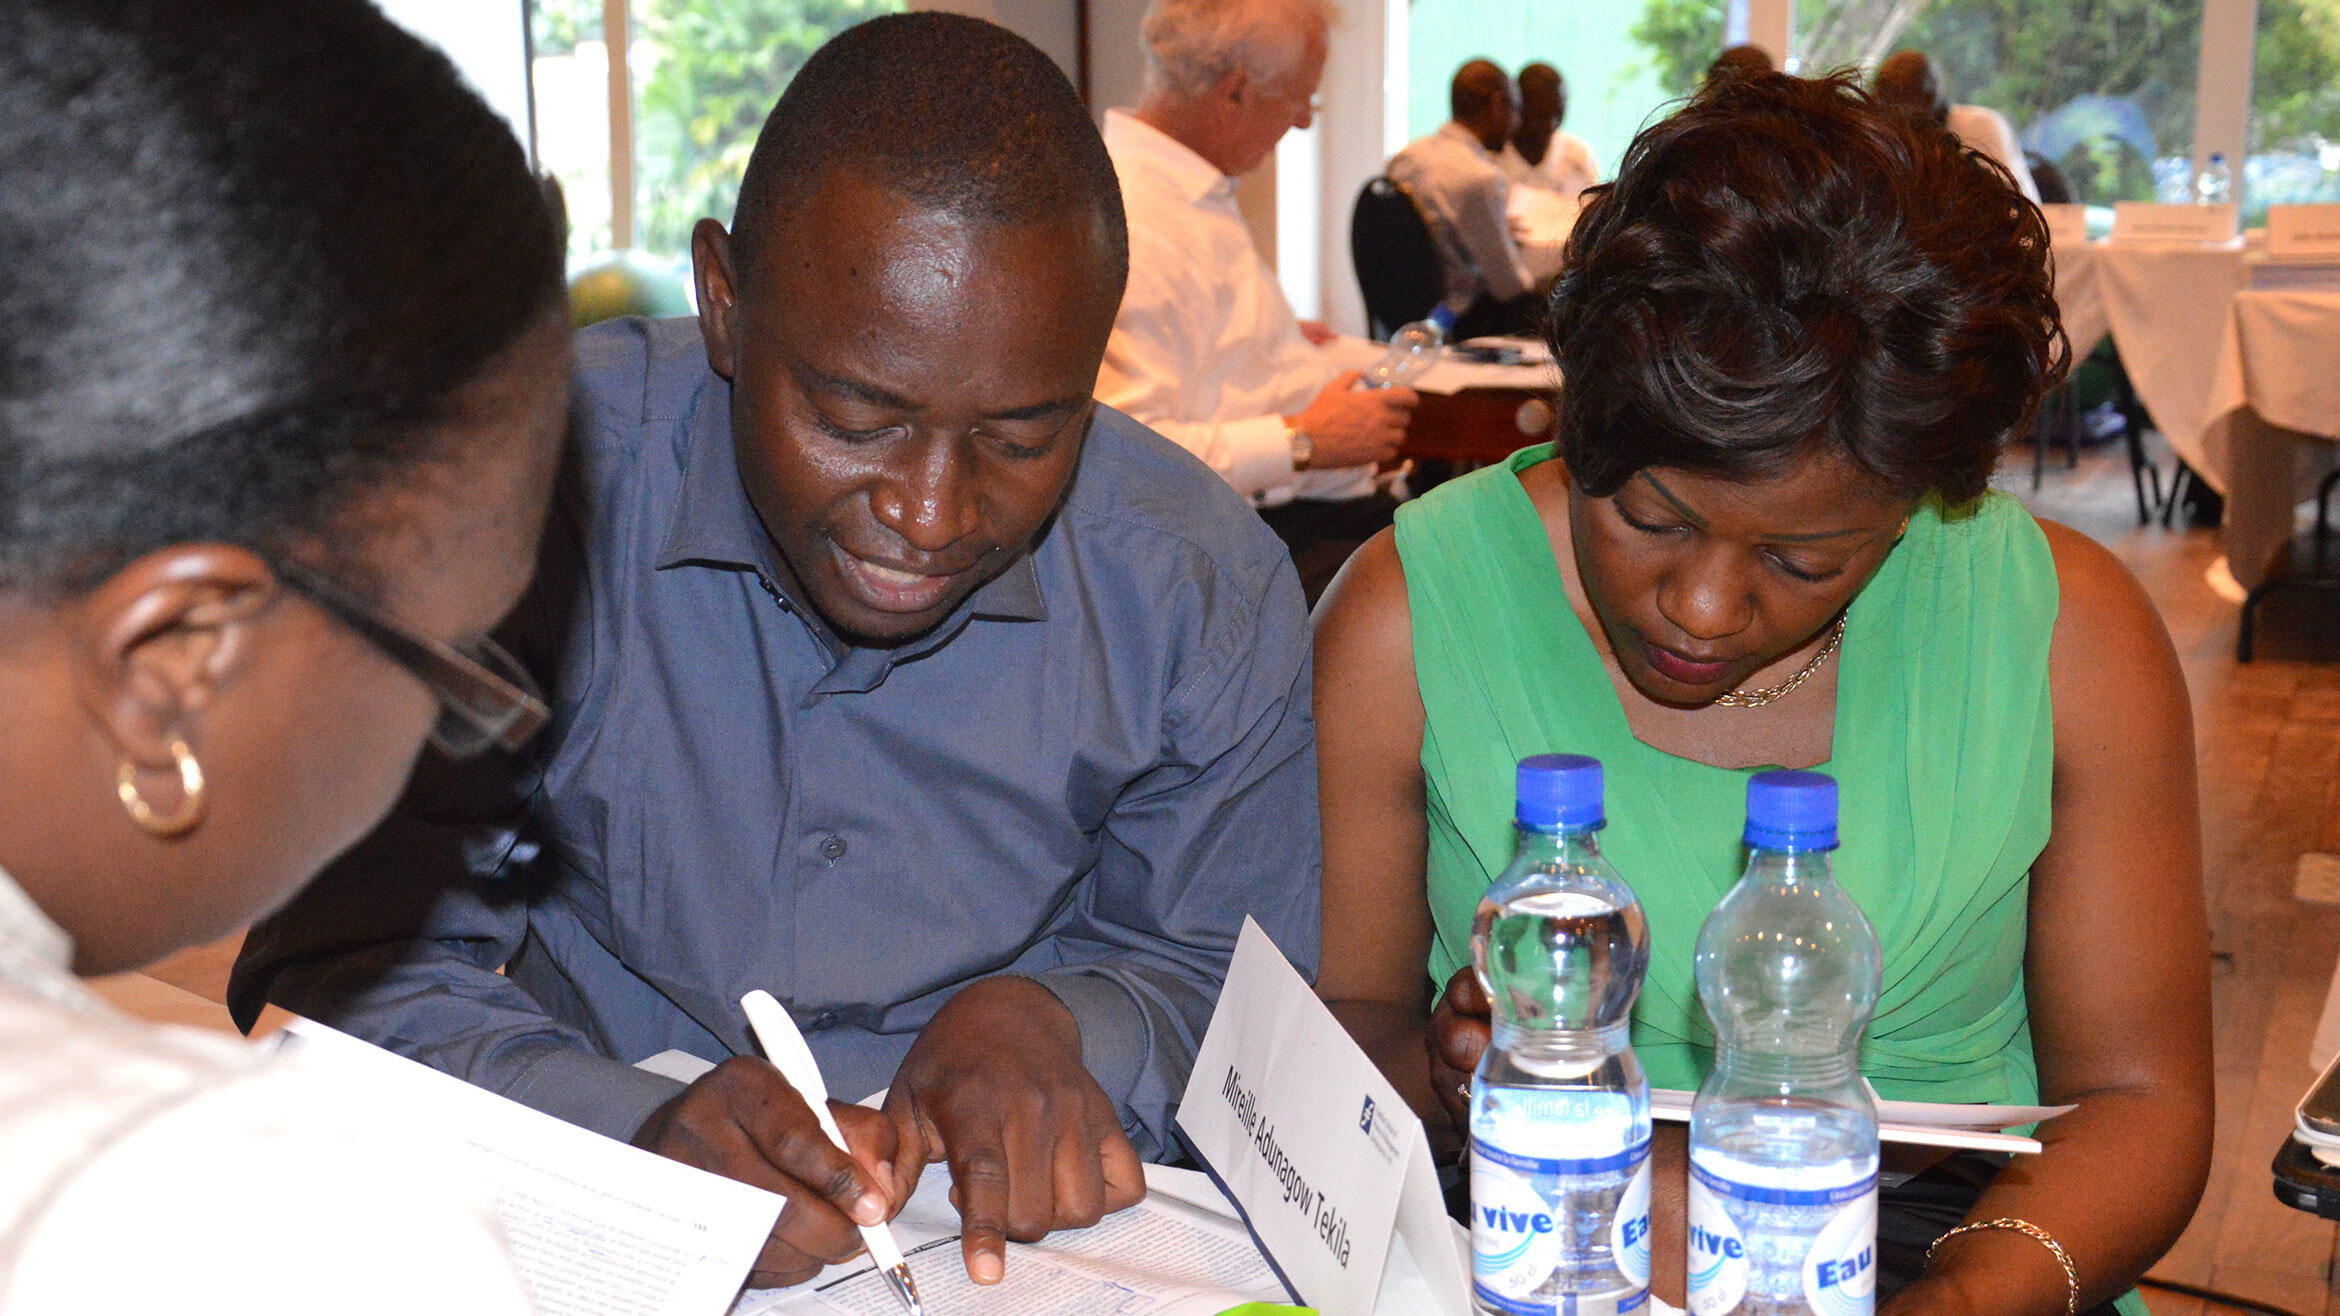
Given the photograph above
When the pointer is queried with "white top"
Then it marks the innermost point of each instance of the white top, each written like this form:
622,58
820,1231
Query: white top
147,1167
1987,131
1463,194
1205,349
1568,166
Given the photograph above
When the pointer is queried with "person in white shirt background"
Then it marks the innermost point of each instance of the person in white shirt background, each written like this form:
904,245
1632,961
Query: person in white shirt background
1464,197
1541,153
1908,77
1206,349
282,390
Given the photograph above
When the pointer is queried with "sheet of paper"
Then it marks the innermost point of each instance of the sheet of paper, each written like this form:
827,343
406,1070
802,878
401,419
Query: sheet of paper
597,1228
1927,1123
1453,376
1180,1252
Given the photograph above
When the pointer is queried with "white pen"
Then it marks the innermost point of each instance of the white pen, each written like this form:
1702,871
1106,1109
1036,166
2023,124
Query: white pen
785,1048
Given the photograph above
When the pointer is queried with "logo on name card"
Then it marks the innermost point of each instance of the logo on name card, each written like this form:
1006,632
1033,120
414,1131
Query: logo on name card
1380,1131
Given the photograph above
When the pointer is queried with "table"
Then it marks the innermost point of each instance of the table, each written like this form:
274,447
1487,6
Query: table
2273,398
2240,380
2166,307
1481,425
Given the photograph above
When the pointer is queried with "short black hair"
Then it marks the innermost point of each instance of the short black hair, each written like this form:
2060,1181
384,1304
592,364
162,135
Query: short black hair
958,114
1478,84
1786,267
1540,74
248,251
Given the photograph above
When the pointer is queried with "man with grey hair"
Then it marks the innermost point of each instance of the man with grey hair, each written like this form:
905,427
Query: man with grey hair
1206,349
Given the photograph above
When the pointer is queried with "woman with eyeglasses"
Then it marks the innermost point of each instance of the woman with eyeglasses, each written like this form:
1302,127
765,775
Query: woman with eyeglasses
282,378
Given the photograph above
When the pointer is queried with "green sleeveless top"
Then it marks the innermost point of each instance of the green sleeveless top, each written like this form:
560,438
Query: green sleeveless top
1942,753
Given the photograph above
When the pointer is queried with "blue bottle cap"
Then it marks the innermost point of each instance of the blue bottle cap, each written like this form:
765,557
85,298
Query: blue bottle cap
1791,811
1559,790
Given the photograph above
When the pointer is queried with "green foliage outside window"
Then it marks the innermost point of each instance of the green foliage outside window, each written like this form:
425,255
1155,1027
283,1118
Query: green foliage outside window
1682,38
714,68
556,26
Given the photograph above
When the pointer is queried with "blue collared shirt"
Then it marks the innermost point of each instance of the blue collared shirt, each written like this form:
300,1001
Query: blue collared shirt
1089,774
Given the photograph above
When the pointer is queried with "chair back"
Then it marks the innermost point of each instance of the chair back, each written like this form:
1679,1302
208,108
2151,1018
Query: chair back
1397,263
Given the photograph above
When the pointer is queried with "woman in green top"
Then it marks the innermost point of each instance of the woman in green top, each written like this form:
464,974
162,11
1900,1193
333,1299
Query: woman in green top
1796,332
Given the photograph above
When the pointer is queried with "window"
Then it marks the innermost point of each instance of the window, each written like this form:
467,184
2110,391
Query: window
2295,107
2102,89
706,72
1617,79
569,65
702,73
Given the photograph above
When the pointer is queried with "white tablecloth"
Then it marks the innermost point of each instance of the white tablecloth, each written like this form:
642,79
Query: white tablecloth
2273,405
2167,307
2241,381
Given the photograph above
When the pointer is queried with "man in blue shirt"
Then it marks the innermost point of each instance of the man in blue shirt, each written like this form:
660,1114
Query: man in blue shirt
889,673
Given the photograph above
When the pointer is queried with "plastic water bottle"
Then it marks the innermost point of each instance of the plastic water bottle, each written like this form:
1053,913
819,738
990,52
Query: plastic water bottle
2214,186
1413,349
1559,1107
1783,1136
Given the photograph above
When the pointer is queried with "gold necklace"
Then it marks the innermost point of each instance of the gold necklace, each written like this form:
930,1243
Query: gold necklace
1744,698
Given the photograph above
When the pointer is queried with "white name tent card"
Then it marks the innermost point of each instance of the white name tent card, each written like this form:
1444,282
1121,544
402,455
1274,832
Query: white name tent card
2067,225
2146,221
2309,233
1330,1169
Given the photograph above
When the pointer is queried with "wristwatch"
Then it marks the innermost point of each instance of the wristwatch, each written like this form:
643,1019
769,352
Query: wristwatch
1303,447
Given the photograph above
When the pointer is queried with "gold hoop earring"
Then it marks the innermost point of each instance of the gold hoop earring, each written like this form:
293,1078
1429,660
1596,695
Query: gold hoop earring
190,809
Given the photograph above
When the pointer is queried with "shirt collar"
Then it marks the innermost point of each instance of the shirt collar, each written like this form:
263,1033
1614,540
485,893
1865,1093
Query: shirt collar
36,955
1128,137
714,525
1468,138
28,931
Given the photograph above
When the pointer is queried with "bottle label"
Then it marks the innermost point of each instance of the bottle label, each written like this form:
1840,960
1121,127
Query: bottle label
1838,1273
1718,1254
1518,1241
1629,1232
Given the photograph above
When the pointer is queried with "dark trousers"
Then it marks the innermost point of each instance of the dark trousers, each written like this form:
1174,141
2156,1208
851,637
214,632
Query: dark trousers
1322,534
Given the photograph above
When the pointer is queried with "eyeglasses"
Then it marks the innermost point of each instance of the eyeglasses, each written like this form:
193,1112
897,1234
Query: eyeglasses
486,697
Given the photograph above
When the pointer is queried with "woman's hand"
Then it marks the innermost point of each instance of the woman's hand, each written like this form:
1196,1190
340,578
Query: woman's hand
1457,1036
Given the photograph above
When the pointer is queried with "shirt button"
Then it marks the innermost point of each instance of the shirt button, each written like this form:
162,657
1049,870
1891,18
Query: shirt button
833,848
824,1020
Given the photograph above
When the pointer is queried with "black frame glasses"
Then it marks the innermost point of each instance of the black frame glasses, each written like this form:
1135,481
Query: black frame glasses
486,698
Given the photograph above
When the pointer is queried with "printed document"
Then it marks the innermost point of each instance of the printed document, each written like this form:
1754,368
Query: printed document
596,1227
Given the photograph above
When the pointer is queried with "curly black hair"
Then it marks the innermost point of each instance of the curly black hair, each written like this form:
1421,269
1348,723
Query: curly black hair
1787,267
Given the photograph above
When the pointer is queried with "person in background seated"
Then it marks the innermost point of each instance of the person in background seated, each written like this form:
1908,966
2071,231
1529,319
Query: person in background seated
1453,177
1738,60
1205,349
281,395
1908,78
889,673
1798,330
1541,153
